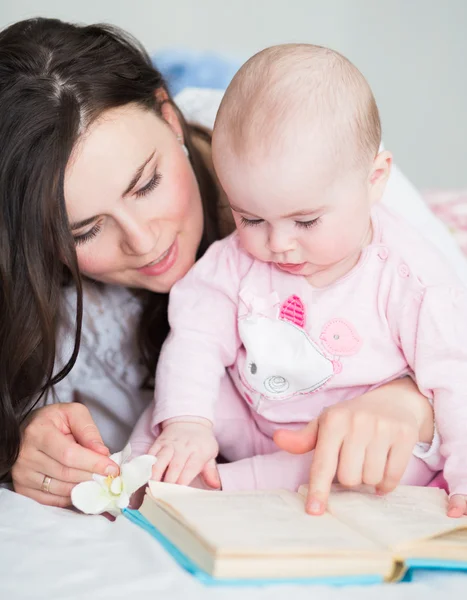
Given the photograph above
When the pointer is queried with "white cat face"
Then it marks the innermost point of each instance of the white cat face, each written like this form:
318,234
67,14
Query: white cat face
281,360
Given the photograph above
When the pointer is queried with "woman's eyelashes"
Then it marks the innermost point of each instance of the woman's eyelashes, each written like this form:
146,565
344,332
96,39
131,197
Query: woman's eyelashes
150,186
144,191
244,222
89,235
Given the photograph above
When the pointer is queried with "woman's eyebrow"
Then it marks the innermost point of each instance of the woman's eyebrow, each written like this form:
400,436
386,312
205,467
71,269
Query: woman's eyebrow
137,175
83,223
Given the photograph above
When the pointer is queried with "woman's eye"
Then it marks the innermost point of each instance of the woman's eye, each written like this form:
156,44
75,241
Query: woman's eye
150,186
86,237
307,224
250,222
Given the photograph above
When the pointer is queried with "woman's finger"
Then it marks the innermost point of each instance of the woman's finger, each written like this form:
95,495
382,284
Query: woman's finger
55,487
83,428
63,449
324,464
45,498
299,441
376,458
45,465
397,461
351,459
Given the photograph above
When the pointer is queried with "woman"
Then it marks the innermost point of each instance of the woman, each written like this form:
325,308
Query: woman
107,198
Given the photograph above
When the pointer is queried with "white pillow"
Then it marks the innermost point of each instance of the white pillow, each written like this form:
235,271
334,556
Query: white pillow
402,197
200,105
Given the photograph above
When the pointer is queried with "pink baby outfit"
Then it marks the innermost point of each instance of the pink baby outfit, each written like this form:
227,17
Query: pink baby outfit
291,349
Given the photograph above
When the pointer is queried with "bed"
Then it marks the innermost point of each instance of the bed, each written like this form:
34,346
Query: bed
54,554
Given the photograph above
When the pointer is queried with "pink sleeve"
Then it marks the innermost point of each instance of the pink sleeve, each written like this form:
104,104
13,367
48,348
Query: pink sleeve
203,339
433,335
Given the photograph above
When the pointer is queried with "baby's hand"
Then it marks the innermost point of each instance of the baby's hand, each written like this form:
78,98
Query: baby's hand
457,506
184,450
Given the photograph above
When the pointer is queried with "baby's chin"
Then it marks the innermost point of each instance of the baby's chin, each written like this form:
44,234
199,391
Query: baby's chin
310,269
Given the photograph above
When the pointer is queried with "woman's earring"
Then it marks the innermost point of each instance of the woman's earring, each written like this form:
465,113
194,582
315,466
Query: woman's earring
184,148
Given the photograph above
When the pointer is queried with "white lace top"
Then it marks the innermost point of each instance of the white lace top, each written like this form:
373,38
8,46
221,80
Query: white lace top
108,374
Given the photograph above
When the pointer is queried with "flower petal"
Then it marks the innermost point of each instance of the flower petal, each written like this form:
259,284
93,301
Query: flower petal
137,472
90,498
126,453
117,457
123,500
116,487
122,456
101,480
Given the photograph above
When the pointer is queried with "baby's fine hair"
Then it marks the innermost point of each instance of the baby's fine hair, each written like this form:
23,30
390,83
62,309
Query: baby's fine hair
300,89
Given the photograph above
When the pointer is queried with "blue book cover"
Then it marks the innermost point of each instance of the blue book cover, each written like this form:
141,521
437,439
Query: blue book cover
186,563
413,564
405,500
431,564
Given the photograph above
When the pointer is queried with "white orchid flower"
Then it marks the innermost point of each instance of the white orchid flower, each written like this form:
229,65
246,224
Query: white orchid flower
112,494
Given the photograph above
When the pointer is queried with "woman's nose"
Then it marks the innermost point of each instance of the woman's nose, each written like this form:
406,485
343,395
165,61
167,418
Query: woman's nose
139,237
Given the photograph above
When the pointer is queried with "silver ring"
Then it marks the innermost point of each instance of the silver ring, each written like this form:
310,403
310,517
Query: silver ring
46,484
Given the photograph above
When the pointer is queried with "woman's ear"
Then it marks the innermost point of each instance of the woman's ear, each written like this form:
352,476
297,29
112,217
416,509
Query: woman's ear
379,175
168,112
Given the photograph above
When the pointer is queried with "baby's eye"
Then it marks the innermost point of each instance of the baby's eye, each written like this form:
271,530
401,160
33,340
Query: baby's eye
250,222
307,224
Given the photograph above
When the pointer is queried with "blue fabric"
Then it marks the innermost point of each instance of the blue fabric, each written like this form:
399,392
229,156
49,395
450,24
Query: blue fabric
183,68
188,565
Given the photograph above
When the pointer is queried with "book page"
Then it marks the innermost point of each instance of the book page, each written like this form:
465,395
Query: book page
457,537
406,515
259,522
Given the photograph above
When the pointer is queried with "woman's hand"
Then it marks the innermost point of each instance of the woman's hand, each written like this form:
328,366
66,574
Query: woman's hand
60,442
366,440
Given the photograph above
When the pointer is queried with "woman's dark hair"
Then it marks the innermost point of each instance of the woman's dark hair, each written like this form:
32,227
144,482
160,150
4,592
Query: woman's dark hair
56,79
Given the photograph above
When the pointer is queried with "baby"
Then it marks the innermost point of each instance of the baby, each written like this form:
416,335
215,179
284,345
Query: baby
321,294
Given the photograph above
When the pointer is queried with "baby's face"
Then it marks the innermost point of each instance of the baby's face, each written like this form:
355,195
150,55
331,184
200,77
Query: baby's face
296,211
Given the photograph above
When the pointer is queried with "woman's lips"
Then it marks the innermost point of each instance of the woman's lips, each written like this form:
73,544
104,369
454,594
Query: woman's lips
162,264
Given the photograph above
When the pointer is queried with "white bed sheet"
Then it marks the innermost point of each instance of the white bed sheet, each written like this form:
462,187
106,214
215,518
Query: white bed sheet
53,554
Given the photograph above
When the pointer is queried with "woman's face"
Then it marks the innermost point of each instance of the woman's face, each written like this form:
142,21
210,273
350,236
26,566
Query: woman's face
133,201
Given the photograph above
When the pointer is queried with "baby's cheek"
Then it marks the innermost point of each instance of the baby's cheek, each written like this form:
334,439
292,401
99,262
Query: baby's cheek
337,245
254,242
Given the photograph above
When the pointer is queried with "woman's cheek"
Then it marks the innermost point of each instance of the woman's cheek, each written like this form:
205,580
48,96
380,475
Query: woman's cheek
180,191
92,263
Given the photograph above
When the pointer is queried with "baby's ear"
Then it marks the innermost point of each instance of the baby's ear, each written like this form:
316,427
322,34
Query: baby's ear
379,175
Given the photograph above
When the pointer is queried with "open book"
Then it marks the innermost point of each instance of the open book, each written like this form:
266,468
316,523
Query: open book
268,535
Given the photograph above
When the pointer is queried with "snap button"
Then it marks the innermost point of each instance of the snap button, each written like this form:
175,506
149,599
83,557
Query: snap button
383,253
404,271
